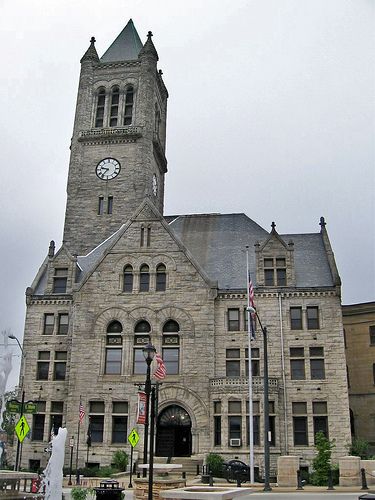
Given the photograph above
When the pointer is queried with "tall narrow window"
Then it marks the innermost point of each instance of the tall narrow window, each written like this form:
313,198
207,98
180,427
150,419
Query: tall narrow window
148,236
119,421
233,363
317,363
300,424
113,351
60,280
129,100
56,418
255,361
142,236
37,430
114,107
110,205
297,363
234,420
256,423
312,318
272,423
372,334
144,278
128,279
101,205
59,369
49,322
171,347
281,272
320,418
233,320
97,421
373,373
141,338
161,278
269,279
63,324
43,365
217,423
99,119
296,318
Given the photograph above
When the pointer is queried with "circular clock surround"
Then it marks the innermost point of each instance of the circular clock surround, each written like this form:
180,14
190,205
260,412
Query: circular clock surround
154,184
108,169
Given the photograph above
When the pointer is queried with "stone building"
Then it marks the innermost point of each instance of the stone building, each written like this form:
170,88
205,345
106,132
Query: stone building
359,328
126,275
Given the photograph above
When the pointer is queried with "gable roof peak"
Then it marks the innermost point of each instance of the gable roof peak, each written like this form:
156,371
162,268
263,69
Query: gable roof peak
126,46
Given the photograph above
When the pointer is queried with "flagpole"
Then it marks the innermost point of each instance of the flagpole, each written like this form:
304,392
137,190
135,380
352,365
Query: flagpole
79,425
250,374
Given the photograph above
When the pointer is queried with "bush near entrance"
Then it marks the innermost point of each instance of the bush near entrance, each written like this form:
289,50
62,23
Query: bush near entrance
215,463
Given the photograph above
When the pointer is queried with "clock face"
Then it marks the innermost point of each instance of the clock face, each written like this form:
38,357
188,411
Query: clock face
154,185
108,169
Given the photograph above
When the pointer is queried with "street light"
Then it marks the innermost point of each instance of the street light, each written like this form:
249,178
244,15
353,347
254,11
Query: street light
19,446
266,410
149,352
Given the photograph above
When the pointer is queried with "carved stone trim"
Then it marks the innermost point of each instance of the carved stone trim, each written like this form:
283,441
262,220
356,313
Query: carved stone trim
118,134
308,293
228,384
48,300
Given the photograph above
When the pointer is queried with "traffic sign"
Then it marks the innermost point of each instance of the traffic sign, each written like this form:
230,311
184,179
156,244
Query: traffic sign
29,407
133,437
22,428
14,406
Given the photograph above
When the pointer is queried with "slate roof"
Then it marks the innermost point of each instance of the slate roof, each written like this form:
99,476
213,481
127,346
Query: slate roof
218,243
126,47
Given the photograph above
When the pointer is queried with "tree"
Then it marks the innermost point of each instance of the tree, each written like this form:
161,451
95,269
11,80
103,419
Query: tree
322,462
8,418
359,448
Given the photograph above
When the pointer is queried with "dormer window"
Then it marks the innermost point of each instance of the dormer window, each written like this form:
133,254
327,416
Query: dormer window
275,271
99,119
60,280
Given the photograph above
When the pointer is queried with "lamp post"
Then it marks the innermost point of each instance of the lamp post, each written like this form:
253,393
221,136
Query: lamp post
266,410
149,352
19,446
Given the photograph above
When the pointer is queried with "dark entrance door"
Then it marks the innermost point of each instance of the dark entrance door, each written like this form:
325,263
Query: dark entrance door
173,433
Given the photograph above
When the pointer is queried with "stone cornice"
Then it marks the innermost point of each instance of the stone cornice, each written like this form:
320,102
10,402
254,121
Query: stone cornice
285,294
118,64
51,299
110,135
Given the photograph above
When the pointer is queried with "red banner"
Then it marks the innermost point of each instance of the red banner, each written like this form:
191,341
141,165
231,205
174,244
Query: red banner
141,409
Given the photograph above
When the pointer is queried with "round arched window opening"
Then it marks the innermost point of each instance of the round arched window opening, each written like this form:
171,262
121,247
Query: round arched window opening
171,326
174,416
114,327
142,327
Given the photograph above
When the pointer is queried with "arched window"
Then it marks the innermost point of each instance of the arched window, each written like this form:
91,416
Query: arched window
129,100
141,338
171,347
99,118
128,279
144,278
114,106
161,278
113,351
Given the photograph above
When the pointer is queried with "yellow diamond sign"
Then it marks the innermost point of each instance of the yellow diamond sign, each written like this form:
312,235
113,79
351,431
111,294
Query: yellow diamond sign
22,428
133,438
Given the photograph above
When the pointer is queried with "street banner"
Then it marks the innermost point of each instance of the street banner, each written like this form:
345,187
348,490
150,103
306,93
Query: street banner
141,408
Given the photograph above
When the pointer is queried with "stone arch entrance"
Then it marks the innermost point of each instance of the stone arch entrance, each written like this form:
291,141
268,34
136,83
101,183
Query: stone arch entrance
173,432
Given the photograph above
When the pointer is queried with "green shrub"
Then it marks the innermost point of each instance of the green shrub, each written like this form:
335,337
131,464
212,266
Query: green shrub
359,448
105,471
79,493
120,460
215,464
322,462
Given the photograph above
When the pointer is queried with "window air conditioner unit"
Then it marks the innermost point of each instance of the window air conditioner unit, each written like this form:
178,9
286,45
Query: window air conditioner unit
235,442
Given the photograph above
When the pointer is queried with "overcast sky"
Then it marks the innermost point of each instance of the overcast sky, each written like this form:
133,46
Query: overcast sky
271,113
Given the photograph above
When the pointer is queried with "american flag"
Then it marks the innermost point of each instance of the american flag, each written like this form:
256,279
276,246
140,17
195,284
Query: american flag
160,371
252,304
251,293
81,413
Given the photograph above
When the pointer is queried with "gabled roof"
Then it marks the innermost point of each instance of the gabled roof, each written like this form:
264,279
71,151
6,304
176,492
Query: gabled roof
126,47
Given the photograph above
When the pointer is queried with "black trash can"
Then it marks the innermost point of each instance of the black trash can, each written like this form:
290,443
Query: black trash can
108,490
367,496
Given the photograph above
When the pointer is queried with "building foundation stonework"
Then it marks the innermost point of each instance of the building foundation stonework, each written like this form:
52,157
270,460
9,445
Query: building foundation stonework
127,275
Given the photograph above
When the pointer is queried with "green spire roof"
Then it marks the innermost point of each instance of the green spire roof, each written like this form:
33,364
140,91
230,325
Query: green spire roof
126,47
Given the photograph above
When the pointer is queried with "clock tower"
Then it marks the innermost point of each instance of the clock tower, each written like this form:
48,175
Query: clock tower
118,144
